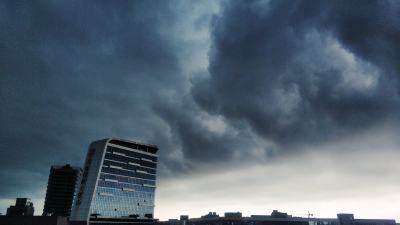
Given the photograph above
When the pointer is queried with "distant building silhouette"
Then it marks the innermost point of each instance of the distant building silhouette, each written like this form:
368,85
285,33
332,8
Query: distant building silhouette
22,207
276,218
210,215
346,219
118,183
277,214
33,220
61,189
184,219
233,215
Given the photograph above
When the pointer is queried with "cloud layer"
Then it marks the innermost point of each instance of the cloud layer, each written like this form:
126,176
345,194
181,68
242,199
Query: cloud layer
340,178
75,72
300,72
213,84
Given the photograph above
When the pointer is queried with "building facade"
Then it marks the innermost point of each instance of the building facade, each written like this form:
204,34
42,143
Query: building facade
22,207
33,220
118,183
61,189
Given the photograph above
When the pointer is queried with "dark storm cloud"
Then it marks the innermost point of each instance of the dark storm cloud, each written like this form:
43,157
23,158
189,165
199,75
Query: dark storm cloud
75,72
280,72
204,139
300,71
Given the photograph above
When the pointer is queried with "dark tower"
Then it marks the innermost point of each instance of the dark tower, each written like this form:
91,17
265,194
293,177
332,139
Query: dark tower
63,181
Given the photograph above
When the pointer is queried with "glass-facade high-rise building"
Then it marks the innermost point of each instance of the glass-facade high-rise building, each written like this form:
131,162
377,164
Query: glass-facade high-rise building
118,182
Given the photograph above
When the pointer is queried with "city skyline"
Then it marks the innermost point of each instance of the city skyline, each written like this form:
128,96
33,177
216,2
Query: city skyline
254,105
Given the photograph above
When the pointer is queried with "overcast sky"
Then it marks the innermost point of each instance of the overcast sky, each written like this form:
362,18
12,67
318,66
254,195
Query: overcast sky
255,105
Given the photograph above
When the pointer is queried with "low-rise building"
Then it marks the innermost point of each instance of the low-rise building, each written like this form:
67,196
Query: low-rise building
22,207
33,220
279,218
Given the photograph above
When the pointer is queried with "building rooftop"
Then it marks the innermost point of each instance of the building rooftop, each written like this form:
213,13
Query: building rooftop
150,148
66,166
